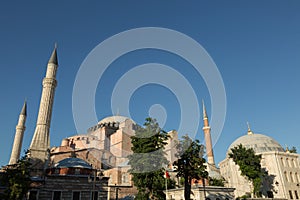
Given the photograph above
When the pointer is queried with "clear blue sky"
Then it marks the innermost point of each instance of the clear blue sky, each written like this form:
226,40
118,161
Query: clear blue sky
255,45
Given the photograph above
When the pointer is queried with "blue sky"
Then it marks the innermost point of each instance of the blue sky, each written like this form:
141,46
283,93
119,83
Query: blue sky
254,44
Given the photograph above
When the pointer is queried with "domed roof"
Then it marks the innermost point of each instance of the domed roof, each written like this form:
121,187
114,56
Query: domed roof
72,163
258,142
115,118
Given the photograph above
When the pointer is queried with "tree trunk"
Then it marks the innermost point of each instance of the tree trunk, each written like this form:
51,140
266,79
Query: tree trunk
187,188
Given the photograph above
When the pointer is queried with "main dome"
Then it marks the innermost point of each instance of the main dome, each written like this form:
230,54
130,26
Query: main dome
258,142
115,118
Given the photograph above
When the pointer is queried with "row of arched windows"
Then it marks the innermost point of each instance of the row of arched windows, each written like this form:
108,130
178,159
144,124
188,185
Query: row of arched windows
288,162
291,177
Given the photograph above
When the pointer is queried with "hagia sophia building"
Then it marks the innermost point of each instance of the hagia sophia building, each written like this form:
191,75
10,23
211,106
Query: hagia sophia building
95,165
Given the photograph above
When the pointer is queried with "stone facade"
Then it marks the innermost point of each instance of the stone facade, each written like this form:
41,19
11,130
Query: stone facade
282,166
71,178
200,192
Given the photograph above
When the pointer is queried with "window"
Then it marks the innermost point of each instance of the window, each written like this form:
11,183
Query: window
33,195
56,195
76,195
291,194
282,161
95,195
296,178
124,178
270,194
77,171
286,177
296,194
291,175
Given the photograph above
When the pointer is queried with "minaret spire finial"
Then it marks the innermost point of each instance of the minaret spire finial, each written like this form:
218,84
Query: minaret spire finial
204,110
249,129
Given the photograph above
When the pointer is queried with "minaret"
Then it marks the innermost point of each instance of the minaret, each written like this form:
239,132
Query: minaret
40,143
207,136
20,128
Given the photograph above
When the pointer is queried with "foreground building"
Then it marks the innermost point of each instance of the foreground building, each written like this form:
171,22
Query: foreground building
282,166
70,178
202,192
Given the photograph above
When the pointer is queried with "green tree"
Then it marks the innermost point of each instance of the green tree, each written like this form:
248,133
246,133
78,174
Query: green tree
190,163
292,149
216,182
250,166
148,160
16,179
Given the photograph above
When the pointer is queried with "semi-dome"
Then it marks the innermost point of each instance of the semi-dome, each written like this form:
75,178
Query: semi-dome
116,118
258,142
72,163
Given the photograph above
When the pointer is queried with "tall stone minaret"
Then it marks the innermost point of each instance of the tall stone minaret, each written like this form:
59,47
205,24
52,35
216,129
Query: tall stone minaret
207,136
20,128
40,143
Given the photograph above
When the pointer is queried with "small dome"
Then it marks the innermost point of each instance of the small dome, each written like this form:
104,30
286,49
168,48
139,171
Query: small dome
72,163
116,118
258,142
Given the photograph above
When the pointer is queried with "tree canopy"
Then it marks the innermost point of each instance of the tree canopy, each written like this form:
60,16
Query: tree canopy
16,180
250,167
148,161
292,149
216,182
190,163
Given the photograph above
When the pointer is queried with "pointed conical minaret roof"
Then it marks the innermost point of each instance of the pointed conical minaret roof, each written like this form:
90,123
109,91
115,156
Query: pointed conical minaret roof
53,58
24,109
204,110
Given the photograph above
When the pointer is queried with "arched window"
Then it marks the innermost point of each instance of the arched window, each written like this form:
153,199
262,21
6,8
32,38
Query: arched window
296,177
77,171
56,171
286,176
287,162
125,178
292,163
291,175
295,163
282,161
